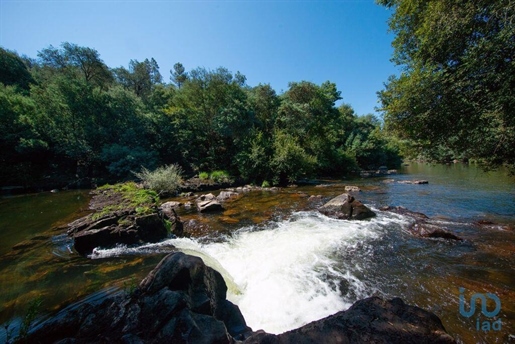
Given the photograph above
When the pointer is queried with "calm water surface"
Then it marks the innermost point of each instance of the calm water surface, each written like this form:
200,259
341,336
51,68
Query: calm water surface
287,265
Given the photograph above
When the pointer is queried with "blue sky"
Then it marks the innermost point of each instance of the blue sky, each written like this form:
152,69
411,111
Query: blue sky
276,42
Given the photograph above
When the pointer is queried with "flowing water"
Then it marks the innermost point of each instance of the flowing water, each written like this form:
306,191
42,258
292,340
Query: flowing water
285,264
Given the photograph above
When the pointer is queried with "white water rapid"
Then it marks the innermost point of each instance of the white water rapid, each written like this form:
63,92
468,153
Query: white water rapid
292,272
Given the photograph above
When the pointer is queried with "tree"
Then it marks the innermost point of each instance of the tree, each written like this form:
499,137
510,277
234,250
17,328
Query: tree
85,60
178,74
456,92
141,77
13,70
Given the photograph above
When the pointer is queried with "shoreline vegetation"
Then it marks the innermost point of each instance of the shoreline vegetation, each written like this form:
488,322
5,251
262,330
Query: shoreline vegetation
70,120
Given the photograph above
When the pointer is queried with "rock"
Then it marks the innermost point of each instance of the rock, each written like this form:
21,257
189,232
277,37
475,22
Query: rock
413,182
426,230
352,188
183,301
371,320
225,195
180,301
108,233
176,225
404,211
209,206
346,207
168,206
422,226
207,197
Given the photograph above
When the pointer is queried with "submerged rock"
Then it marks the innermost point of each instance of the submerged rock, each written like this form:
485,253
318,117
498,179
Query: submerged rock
184,301
346,207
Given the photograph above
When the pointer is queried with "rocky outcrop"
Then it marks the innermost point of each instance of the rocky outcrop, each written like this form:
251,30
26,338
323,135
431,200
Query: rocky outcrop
184,301
346,207
371,320
128,229
117,220
180,301
422,226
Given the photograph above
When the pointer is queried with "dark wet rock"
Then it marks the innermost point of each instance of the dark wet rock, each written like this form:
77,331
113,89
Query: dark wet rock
346,207
427,230
404,211
175,223
371,320
209,206
112,231
184,301
422,226
180,301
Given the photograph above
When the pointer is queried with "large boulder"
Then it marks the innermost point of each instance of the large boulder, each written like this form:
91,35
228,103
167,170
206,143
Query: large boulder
180,301
346,207
118,229
371,320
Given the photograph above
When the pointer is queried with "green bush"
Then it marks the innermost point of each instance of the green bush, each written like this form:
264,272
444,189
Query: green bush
220,176
203,175
163,179
265,184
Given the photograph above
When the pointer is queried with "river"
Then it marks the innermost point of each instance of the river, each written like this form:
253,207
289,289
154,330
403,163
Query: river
286,264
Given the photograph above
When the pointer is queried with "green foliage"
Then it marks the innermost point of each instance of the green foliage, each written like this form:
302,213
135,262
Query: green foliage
203,175
131,196
265,184
67,114
290,160
455,95
121,160
163,179
14,71
220,176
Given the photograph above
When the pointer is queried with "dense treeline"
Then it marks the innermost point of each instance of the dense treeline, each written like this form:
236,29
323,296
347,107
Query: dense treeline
66,115
455,97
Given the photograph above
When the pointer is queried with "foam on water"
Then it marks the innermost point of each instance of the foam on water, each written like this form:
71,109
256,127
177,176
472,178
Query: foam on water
289,274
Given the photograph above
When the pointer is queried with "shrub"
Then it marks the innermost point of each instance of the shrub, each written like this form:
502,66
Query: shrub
265,184
221,176
203,175
163,179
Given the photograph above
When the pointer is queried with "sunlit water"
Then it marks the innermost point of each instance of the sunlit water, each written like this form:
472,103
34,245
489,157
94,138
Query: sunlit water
285,266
